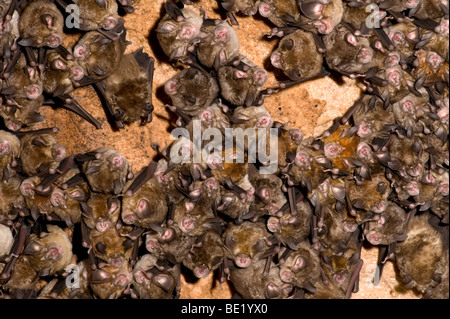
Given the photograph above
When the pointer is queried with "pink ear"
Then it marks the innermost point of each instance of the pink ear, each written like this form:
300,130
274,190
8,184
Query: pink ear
275,59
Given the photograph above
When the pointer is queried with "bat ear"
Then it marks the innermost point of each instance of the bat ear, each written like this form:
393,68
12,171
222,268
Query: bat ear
101,3
26,42
354,258
33,248
100,276
272,291
101,248
163,281
230,242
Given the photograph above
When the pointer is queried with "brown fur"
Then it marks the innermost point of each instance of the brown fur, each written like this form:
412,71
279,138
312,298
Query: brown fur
129,88
113,241
251,284
208,253
145,274
98,203
33,156
93,16
55,238
420,254
303,60
171,43
32,26
150,191
208,49
108,179
194,84
105,56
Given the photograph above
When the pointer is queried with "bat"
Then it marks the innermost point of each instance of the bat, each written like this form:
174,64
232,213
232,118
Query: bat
250,284
101,211
296,57
191,91
153,279
241,84
106,170
218,44
98,14
178,31
425,248
206,254
41,25
280,13
49,252
301,268
111,282
99,53
22,92
128,90
40,153
142,204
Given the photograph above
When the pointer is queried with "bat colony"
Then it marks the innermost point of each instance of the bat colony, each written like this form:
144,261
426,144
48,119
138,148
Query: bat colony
378,175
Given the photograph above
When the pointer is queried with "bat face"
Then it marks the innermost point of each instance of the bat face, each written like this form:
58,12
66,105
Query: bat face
62,75
191,91
49,253
41,25
177,33
101,211
302,267
279,12
245,251
40,153
251,284
269,197
424,247
128,90
340,270
110,282
387,227
219,44
297,57
98,14
247,7
23,96
109,246
99,55
240,85
152,279
106,170
145,206
171,244
347,53
292,229
206,255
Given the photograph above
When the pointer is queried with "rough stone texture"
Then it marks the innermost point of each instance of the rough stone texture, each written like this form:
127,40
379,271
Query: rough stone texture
309,106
